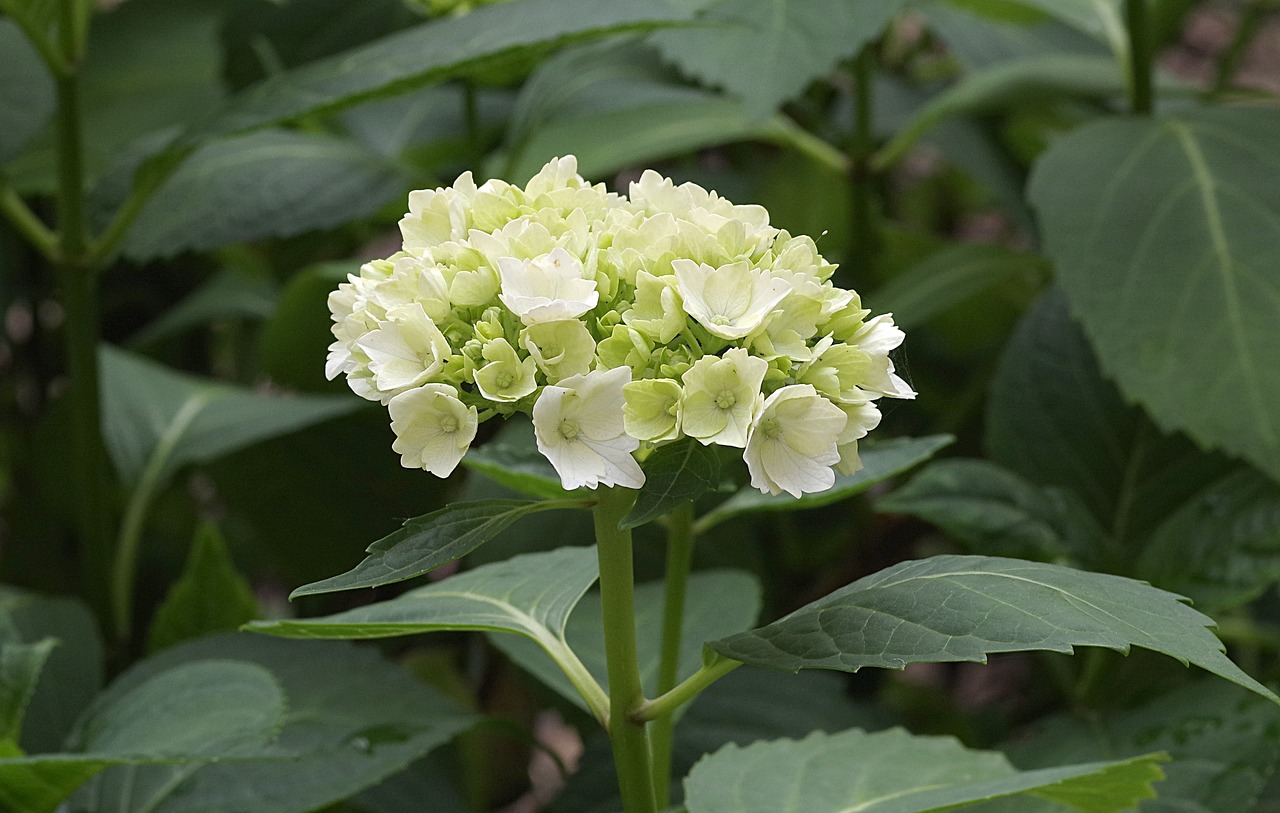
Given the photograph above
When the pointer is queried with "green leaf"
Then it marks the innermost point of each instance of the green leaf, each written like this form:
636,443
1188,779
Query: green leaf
895,772
880,461
191,713
353,720
530,595
73,673
427,53
20,668
156,420
520,468
946,278
767,51
1180,300
1224,744
274,183
675,474
425,543
209,597
225,296
1052,418
1221,548
964,608
719,603
26,94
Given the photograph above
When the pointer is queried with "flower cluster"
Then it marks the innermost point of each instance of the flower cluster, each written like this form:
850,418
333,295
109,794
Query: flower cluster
620,324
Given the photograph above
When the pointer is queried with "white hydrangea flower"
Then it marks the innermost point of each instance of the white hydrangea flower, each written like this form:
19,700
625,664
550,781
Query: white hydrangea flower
406,350
438,215
877,338
730,301
506,378
560,349
653,409
862,418
547,288
433,428
793,442
721,397
579,427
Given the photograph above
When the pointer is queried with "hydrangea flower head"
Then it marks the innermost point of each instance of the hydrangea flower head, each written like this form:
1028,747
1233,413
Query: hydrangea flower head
620,324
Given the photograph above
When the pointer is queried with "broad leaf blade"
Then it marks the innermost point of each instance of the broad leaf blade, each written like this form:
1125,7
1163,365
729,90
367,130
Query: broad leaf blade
156,420
209,597
20,668
767,51
519,468
529,595
720,602
880,461
964,608
428,542
895,772
1180,303
674,475
354,719
27,93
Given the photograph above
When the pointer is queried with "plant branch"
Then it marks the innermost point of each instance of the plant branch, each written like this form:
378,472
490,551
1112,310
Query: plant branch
1140,57
866,238
692,686
617,594
26,223
680,541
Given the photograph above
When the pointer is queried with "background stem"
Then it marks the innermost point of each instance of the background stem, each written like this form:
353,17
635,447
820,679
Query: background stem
617,594
1140,87
866,238
679,562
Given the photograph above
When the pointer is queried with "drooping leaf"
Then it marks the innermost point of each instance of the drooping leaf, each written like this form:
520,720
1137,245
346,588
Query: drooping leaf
273,183
675,474
895,772
993,511
519,468
1221,548
26,94
951,276
1054,419
227,295
192,713
209,597
767,51
1224,743
1166,238
880,461
964,608
425,543
73,672
719,603
530,595
20,667
353,719
156,420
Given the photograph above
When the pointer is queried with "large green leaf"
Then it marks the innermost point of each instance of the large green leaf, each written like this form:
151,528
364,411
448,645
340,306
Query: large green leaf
73,673
895,772
674,475
426,53
1224,744
26,94
880,461
767,51
530,595
353,719
964,608
1166,237
951,276
274,183
425,543
209,597
156,420
720,602
1055,420
192,713
20,668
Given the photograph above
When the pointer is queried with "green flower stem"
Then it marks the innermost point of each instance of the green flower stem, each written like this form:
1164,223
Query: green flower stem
866,237
679,561
27,224
1140,56
692,686
629,738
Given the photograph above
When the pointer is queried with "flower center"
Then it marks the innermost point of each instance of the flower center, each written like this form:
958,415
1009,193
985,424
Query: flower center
771,427
505,380
720,319
726,399
448,424
568,429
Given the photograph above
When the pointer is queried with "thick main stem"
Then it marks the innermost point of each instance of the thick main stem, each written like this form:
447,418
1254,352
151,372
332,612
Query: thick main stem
1140,56
679,562
617,594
